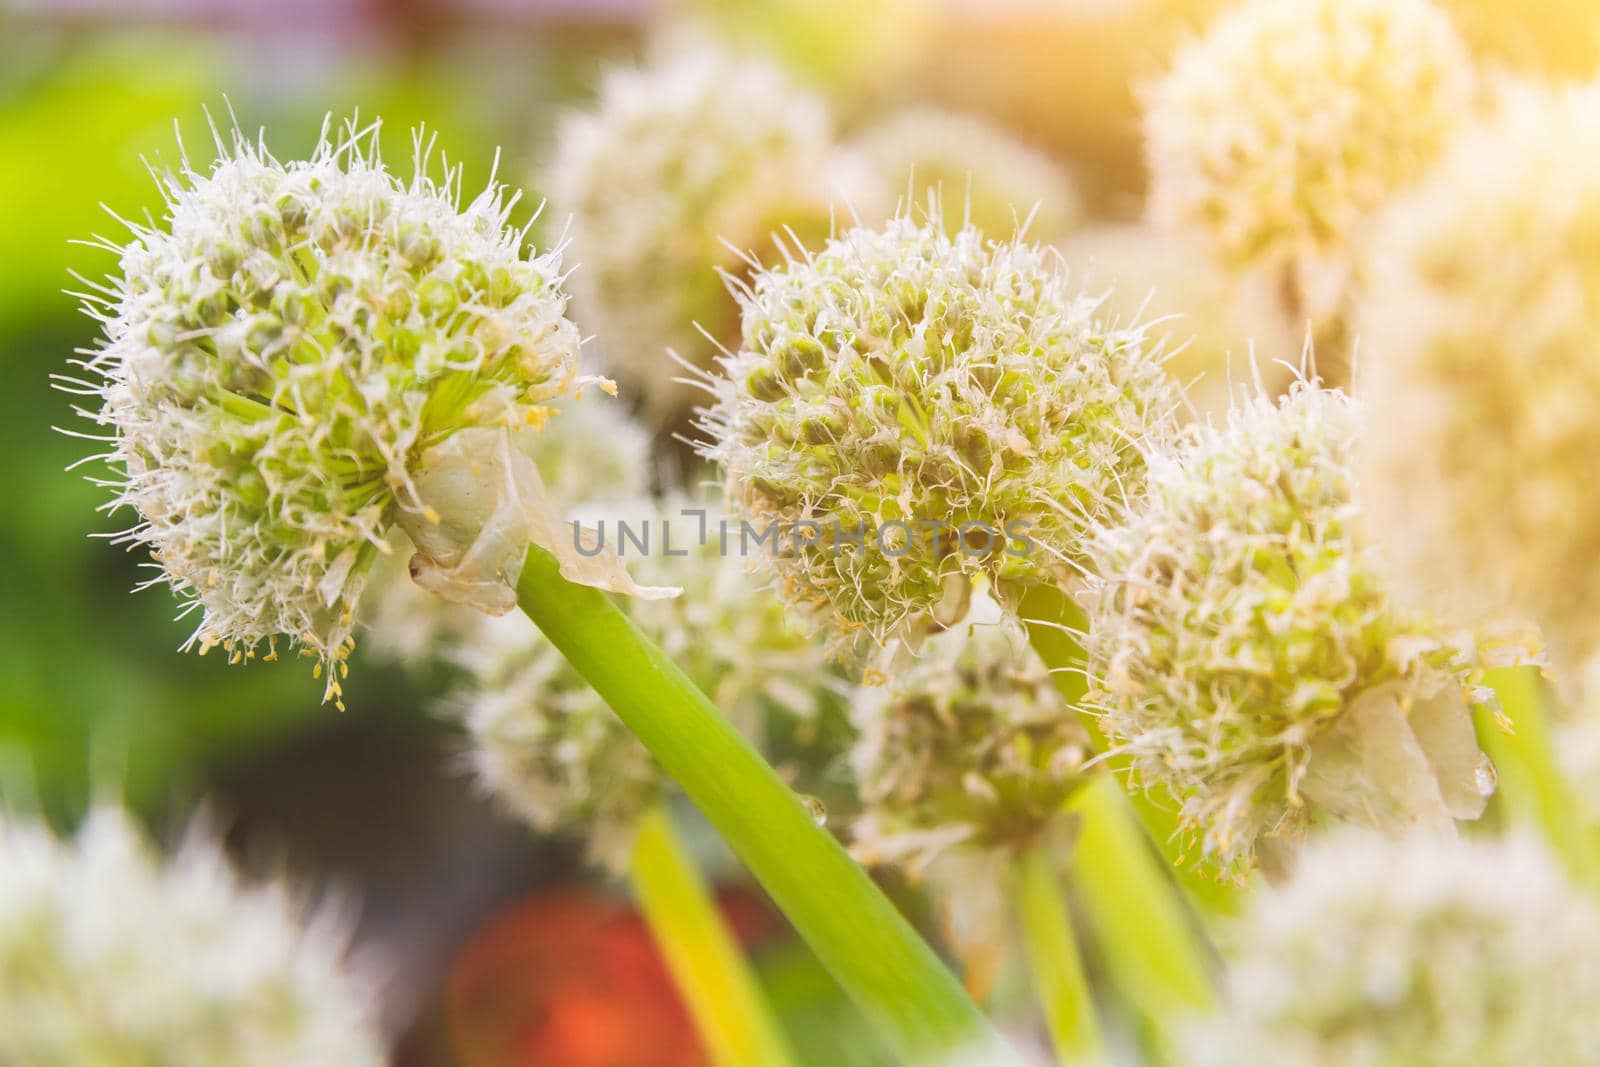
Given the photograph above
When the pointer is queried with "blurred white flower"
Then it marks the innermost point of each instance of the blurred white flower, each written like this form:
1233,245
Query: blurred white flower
683,168
110,957
1221,332
1480,375
1417,952
1280,130
546,746
979,172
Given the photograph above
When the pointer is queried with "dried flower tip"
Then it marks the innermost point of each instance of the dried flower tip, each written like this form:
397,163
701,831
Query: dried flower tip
1421,952
110,956
1246,651
910,410
1279,131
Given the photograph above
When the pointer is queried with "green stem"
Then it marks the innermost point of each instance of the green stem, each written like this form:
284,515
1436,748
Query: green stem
1152,947
731,1013
1058,976
1124,861
1532,790
1051,618
911,999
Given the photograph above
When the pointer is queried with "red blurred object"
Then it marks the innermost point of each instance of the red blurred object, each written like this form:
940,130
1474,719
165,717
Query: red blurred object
568,979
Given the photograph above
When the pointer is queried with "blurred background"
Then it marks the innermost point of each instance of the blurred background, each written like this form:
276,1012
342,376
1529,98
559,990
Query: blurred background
493,948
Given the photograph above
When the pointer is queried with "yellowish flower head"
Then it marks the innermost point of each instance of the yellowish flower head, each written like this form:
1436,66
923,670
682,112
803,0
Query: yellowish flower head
1280,130
1480,373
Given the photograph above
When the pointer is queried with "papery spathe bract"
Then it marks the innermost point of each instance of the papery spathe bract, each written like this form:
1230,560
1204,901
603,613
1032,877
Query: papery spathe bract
112,957
593,452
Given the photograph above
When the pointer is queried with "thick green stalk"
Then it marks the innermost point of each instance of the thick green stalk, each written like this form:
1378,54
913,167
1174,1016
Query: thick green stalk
1154,952
716,982
1123,861
912,1000
1058,977
1532,791
1051,618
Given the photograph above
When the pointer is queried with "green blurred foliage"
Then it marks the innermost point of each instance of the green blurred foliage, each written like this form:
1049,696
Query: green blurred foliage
92,689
